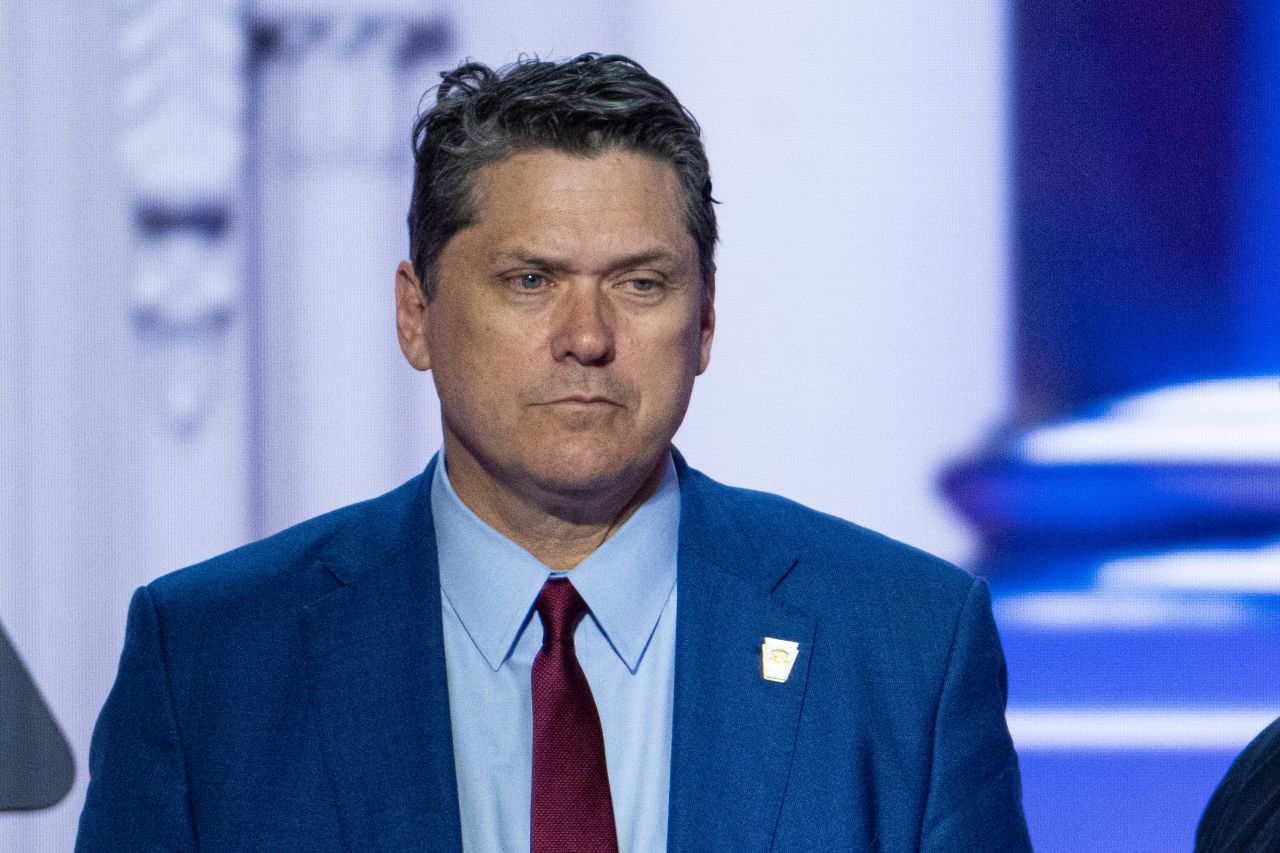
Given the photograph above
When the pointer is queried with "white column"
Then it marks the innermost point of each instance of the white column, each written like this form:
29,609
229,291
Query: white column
121,429
344,417
181,96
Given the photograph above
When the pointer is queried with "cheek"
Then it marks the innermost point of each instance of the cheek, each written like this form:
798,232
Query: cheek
495,375
475,340
668,364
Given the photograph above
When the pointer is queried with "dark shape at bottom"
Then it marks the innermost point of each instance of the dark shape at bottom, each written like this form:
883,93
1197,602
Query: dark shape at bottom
36,768
1244,814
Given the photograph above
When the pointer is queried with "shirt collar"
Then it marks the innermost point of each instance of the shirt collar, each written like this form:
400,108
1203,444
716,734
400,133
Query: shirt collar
492,583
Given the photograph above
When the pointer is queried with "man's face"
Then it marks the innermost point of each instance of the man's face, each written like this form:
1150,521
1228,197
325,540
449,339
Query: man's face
568,324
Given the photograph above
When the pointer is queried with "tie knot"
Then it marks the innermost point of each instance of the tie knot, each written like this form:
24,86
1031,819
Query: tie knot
560,608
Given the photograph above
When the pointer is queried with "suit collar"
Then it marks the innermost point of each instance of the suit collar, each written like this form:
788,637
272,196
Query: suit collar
377,676
488,580
733,733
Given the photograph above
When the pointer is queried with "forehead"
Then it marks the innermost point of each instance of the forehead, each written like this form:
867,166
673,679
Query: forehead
615,197
549,171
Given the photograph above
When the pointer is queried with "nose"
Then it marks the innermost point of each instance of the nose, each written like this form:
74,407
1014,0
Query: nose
583,327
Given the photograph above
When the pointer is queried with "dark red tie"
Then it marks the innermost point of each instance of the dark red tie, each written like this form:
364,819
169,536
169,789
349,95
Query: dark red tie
572,809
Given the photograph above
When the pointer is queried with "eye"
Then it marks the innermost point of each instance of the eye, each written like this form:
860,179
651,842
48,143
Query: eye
645,285
531,281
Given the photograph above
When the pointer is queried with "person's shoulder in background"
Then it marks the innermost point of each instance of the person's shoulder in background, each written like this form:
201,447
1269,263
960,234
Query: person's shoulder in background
1243,815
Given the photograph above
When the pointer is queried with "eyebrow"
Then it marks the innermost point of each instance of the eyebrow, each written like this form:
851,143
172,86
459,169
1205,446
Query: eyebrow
533,259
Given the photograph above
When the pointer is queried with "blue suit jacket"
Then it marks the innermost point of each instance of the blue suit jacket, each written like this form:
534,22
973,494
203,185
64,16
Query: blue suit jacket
291,695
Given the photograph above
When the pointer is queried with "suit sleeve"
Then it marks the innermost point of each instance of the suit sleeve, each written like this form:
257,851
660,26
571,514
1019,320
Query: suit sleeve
137,797
975,792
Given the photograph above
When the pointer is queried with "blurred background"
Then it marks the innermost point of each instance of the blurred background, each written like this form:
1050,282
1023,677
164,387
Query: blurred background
996,278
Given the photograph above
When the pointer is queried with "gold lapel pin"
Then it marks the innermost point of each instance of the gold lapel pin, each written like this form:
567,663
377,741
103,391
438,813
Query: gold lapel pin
776,658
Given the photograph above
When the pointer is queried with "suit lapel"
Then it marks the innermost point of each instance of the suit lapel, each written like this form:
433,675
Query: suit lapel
733,733
377,677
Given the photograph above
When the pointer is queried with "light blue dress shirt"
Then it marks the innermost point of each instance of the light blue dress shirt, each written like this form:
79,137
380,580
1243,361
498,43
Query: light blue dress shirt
626,647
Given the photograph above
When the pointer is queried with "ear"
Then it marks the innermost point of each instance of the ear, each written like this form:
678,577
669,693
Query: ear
707,322
411,317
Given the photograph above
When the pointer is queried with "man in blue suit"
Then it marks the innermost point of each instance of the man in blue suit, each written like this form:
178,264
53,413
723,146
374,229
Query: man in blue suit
560,636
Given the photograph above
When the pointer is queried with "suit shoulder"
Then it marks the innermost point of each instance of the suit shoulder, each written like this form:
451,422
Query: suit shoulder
287,564
832,552
883,606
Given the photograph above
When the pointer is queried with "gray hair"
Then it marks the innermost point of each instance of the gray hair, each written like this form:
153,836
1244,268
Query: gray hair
584,106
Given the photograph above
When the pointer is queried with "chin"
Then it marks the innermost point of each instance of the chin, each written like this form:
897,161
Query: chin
580,479
591,472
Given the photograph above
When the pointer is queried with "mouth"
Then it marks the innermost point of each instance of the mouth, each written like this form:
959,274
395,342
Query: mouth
582,400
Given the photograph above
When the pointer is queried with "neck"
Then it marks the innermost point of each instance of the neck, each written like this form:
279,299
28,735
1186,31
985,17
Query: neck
559,531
